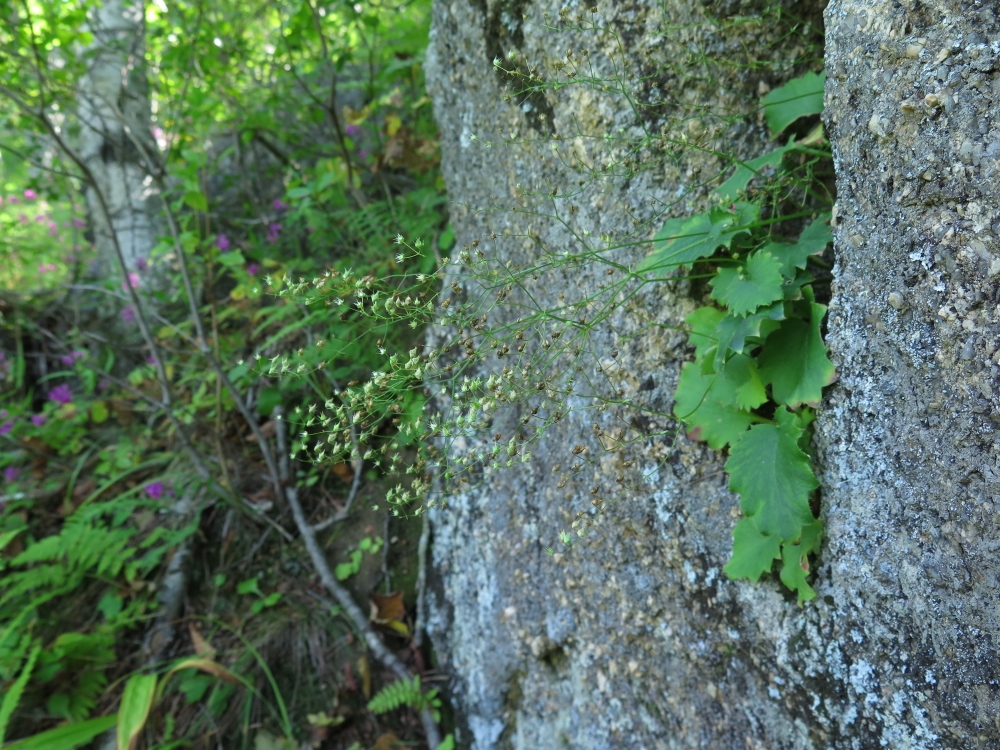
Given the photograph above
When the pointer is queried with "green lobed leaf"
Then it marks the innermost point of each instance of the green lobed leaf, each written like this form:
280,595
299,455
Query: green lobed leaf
733,333
682,241
772,476
704,322
705,402
744,288
753,552
798,98
742,378
793,575
813,239
747,170
795,361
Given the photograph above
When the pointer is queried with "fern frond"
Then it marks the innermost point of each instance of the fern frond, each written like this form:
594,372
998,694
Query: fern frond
404,692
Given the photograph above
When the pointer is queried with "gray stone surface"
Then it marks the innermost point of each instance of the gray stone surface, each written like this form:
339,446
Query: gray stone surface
635,638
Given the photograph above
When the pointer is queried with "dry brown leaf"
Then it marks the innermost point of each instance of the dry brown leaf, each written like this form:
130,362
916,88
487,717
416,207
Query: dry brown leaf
386,742
201,646
344,472
389,606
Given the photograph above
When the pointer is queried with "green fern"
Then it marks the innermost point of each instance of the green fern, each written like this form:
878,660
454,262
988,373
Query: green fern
405,692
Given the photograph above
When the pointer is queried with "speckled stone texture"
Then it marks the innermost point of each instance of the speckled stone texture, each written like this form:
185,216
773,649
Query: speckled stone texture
636,639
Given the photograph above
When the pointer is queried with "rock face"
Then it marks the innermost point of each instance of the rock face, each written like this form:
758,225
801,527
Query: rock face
636,638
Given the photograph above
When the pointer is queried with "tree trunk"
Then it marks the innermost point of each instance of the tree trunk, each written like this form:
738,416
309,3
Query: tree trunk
116,143
636,638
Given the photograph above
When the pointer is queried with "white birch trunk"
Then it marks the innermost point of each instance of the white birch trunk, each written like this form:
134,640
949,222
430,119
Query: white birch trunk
115,139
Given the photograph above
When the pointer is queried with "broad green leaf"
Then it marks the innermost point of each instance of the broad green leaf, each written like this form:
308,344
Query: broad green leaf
732,332
772,477
813,239
683,241
232,259
705,403
703,322
744,288
137,700
795,568
795,361
99,412
67,736
196,200
742,378
797,98
747,170
753,552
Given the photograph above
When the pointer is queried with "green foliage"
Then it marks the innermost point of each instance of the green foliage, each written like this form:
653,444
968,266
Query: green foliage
760,362
405,692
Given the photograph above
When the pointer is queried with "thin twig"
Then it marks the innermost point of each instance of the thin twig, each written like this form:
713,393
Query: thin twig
382,654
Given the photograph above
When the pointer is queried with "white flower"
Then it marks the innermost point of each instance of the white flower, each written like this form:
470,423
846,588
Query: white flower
399,239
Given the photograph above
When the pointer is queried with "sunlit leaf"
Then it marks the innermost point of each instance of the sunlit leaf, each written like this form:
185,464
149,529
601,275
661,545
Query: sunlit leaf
799,97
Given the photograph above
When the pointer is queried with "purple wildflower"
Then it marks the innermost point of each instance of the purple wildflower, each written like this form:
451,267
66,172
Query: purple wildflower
362,154
11,473
46,267
6,427
30,194
72,357
61,394
155,490
12,199
279,205
133,281
53,229
352,130
253,269
38,419
273,230
222,242
141,264
128,314
79,223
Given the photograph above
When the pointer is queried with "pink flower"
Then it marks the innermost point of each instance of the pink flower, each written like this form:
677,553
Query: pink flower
155,490
38,419
46,267
30,194
53,229
128,314
279,205
222,242
61,394
23,218
253,269
133,281
11,473
273,230
40,218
